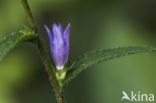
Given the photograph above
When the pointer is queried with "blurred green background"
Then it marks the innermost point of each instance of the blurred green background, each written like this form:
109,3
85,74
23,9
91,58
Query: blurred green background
94,24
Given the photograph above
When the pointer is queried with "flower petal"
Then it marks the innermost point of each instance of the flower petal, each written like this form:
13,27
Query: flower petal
66,42
49,32
60,27
66,34
57,33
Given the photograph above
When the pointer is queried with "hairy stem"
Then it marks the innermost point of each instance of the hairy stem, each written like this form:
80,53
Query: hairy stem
29,15
49,67
50,70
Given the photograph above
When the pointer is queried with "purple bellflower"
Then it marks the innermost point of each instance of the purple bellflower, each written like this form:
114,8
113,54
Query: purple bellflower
59,42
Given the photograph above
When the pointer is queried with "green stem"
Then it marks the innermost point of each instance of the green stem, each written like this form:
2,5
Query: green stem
29,15
49,67
50,70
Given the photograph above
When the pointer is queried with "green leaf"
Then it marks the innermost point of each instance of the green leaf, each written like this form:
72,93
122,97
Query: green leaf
88,59
10,41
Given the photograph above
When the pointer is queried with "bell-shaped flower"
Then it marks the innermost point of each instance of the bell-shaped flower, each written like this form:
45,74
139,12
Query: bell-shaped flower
59,42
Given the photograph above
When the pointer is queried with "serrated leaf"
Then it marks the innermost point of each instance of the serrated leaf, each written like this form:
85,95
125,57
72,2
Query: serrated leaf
10,41
91,58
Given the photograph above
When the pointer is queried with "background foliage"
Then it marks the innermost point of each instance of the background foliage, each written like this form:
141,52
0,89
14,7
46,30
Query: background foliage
95,24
